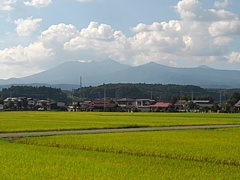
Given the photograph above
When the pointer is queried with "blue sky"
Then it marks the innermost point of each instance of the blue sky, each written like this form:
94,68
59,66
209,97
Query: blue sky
36,35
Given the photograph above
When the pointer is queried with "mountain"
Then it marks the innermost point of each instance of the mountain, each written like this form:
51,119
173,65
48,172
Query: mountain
96,73
70,72
156,73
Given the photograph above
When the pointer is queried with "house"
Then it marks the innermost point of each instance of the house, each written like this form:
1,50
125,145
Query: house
161,106
126,104
202,105
143,105
31,102
59,106
101,105
181,105
43,105
237,105
11,103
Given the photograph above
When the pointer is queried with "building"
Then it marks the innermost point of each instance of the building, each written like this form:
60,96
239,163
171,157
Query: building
102,105
143,105
161,107
126,104
237,106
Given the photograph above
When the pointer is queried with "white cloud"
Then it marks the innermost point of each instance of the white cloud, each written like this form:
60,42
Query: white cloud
221,5
38,3
56,35
222,41
223,28
192,10
100,39
234,57
30,54
7,5
25,27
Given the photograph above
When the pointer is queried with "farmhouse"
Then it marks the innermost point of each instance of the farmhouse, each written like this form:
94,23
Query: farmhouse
202,105
43,105
101,105
59,106
237,105
161,106
126,104
181,105
143,105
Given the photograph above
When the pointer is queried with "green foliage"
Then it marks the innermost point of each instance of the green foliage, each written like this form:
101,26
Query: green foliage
194,154
41,92
1,100
47,121
214,146
158,92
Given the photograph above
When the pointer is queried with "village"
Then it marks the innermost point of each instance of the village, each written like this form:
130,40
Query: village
114,105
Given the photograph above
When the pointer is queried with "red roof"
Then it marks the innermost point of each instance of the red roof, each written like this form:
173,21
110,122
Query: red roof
161,105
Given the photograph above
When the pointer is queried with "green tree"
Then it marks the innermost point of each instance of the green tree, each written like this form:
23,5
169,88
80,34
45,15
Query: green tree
10,104
1,101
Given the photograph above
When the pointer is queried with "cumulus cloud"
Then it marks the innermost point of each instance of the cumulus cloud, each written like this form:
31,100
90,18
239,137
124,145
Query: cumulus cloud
38,3
192,10
201,35
7,5
25,27
60,34
33,53
101,39
234,57
223,28
221,5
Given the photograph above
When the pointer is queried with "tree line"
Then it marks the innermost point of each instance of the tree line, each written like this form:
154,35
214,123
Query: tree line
39,92
159,92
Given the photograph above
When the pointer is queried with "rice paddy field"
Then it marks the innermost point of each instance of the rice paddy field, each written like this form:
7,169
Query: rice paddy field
185,154
48,121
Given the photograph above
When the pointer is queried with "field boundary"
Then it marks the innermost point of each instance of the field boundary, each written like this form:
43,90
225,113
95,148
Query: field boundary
102,131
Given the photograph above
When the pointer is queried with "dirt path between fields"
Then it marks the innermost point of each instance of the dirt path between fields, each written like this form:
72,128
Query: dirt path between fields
100,131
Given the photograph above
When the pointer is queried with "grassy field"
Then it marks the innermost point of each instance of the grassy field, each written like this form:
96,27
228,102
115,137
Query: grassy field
190,154
47,121
185,154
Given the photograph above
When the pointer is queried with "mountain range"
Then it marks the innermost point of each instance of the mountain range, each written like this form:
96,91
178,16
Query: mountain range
73,74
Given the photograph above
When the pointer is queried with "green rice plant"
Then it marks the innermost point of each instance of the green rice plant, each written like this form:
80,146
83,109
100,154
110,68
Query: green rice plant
48,121
62,157
213,146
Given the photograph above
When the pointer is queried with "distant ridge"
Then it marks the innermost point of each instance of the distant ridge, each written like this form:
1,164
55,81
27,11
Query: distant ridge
96,73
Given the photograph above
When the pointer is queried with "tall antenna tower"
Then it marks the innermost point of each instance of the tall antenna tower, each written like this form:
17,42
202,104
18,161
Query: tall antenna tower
80,82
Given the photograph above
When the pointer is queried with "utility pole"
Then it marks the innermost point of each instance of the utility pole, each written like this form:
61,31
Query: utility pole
80,88
220,98
104,100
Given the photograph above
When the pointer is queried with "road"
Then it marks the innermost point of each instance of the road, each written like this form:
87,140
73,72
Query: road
101,131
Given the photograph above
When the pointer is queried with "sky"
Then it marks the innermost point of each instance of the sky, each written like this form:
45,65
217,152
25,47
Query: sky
37,35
